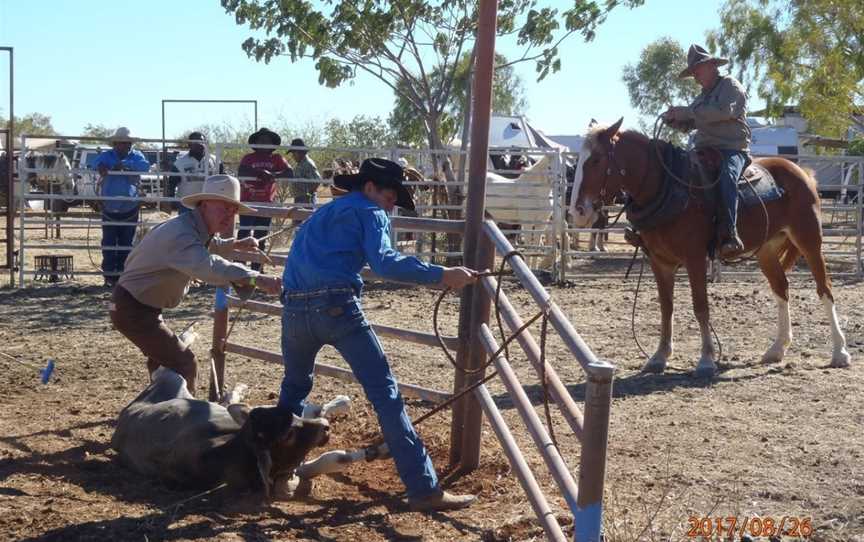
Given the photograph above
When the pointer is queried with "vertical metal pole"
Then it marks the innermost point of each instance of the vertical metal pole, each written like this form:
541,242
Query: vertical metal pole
255,102
860,224
22,183
10,160
467,416
217,352
588,516
559,215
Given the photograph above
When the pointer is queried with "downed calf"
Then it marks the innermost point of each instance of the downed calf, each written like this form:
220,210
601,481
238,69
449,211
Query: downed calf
166,433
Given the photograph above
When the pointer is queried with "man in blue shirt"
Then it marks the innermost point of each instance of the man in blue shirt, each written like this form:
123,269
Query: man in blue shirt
121,157
322,306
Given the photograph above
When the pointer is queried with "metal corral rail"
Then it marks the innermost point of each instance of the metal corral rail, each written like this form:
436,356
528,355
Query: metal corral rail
553,252
584,499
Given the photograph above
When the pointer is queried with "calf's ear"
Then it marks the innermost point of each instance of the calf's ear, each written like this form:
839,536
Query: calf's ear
240,412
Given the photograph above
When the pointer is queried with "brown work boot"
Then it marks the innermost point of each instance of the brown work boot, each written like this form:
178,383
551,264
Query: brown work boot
440,501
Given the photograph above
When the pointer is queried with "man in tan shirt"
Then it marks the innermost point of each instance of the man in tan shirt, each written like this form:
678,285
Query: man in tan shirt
159,269
719,116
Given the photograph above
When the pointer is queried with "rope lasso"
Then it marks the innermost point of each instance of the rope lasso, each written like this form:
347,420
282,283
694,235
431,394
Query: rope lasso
504,347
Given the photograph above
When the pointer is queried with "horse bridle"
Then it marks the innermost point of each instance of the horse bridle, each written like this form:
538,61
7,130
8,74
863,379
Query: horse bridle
610,159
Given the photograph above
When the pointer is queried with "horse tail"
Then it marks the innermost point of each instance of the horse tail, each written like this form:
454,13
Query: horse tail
788,254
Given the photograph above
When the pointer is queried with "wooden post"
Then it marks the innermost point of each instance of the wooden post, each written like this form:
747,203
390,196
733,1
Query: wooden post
465,429
588,516
480,309
220,329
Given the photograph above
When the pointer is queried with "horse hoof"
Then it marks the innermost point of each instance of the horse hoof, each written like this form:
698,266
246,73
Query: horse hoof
772,356
705,369
654,366
840,360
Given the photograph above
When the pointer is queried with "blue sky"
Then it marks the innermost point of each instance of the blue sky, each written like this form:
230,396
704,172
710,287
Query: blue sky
111,63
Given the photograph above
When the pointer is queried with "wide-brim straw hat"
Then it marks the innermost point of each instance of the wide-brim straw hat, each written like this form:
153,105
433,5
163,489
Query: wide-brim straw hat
219,188
384,173
121,135
698,55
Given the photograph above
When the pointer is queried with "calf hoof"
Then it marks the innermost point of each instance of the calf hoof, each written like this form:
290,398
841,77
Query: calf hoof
840,359
706,368
291,487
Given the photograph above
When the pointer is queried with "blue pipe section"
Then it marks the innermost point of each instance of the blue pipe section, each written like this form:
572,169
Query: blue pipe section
587,523
221,302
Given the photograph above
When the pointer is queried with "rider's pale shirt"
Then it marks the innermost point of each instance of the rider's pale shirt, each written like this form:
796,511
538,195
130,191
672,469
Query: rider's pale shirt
334,244
719,116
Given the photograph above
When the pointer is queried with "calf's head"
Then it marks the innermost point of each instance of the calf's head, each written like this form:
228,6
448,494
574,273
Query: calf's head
280,440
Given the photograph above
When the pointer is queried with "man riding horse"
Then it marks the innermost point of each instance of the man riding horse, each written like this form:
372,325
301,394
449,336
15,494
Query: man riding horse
718,115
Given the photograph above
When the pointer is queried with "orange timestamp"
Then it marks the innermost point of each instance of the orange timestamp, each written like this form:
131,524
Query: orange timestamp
732,526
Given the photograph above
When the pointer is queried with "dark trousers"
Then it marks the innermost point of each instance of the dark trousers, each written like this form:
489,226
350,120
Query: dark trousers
143,325
251,221
113,259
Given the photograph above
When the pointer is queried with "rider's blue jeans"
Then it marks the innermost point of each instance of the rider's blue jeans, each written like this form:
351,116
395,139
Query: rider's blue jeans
731,167
333,316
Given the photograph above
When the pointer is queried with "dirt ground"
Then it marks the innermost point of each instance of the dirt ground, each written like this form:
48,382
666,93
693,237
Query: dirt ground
759,440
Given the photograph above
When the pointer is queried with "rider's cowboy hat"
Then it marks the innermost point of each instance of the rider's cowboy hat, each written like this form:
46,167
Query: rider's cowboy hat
383,173
121,135
271,137
220,188
698,55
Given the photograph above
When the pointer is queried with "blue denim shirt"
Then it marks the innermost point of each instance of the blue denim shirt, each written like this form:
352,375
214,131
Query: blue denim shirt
121,185
334,244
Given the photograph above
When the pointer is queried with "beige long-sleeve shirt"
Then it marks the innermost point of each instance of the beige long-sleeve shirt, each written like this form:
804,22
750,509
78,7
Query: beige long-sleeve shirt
719,116
160,267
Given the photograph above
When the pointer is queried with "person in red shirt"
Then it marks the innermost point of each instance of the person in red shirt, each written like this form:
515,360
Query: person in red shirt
265,166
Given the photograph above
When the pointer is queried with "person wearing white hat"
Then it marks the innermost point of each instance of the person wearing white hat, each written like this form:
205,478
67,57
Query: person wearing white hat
116,236
161,266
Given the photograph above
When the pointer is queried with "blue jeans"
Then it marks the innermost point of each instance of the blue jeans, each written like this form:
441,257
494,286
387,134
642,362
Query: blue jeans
731,167
333,316
114,260
247,221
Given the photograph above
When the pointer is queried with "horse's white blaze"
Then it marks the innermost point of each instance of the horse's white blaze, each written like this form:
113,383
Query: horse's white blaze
585,218
840,356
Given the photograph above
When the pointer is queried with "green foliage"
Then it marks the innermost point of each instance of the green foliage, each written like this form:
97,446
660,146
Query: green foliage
508,98
654,85
360,132
35,124
96,130
856,147
413,46
809,52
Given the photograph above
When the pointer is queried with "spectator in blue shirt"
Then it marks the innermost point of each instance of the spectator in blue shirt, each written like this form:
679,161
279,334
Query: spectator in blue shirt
322,306
120,158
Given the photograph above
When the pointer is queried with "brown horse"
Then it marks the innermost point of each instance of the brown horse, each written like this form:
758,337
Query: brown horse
613,161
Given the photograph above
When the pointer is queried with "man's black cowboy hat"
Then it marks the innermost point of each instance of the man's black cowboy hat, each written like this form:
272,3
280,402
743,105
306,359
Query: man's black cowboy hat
271,137
385,174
